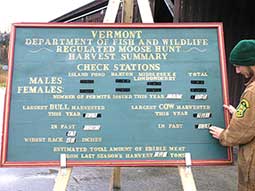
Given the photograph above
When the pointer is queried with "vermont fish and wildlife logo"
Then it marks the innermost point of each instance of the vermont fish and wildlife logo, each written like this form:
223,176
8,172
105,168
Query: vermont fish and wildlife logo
242,107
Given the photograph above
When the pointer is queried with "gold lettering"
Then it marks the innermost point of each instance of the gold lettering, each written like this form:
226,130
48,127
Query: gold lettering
93,67
143,107
55,139
35,139
91,139
175,125
35,107
120,34
39,89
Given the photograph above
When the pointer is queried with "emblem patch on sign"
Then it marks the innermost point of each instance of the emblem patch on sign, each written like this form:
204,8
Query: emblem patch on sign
242,107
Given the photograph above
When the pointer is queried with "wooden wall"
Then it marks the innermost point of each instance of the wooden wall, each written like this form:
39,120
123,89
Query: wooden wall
239,23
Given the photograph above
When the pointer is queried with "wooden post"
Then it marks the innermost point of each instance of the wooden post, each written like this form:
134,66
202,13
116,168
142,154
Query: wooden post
128,10
62,179
177,7
127,17
145,11
115,180
111,11
188,183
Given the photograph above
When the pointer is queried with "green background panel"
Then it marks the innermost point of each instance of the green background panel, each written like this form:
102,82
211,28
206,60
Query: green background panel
120,125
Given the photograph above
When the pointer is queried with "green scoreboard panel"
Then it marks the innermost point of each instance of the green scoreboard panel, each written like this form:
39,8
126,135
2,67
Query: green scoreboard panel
115,95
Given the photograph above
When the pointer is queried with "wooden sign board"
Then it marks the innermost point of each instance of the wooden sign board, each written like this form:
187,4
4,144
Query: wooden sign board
115,94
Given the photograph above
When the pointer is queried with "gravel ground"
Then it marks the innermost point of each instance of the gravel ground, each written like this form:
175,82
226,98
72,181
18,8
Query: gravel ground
212,178
216,178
